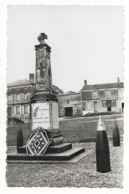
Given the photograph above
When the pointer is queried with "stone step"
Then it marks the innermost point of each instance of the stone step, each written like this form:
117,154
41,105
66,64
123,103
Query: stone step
73,160
51,149
67,155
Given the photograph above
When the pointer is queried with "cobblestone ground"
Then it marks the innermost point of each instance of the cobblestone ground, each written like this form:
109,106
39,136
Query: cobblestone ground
81,174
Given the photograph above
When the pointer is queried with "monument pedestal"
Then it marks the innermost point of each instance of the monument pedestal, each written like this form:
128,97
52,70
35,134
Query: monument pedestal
44,113
55,137
63,153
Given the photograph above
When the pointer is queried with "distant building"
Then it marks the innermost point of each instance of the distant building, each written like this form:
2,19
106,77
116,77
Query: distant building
102,97
69,104
91,99
18,97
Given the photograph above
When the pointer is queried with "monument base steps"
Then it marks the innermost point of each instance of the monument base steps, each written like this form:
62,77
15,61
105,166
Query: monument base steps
57,153
73,160
56,140
51,149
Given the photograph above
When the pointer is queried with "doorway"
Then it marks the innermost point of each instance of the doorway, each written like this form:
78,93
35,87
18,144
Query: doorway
122,107
95,106
109,108
69,111
9,111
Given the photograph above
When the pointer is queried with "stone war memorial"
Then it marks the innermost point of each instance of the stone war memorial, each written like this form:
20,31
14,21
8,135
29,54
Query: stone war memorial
45,142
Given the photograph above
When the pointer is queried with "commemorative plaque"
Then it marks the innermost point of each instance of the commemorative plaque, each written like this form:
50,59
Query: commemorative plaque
40,115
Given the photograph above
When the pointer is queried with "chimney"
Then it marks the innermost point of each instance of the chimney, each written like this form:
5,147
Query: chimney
85,82
31,77
118,79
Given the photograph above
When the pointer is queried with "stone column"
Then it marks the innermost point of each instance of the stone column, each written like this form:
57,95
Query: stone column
44,105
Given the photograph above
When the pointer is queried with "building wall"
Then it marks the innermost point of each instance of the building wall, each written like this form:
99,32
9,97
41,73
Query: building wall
121,99
72,101
70,104
100,99
18,103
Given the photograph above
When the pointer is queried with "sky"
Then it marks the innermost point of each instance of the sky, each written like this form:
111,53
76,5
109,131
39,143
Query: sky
87,43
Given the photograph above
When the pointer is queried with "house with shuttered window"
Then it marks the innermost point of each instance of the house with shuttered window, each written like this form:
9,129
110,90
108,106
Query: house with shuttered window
102,97
18,98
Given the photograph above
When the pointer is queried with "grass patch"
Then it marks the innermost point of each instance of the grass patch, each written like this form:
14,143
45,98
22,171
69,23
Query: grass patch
74,130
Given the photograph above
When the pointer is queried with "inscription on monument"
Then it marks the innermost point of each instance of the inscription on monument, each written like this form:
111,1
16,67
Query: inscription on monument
40,115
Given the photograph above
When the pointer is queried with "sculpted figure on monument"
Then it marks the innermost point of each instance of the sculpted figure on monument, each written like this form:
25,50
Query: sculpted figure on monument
42,37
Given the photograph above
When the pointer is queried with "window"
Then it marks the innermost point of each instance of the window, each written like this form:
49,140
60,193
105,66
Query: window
114,93
86,95
22,110
18,97
26,109
84,105
89,105
10,98
67,101
104,104
107,94
113,103
94,94
9,111
25,96
101,93
22,96
17,110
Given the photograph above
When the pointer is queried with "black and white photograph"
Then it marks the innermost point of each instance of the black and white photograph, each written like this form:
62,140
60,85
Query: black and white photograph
65,97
